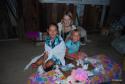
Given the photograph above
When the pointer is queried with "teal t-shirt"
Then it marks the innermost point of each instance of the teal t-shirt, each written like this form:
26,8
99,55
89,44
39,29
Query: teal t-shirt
73,47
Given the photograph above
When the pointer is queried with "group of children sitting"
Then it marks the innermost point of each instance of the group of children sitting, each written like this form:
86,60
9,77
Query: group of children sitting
56,49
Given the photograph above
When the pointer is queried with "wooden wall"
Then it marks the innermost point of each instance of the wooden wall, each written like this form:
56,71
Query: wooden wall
91,18
53,13
37,16
31,15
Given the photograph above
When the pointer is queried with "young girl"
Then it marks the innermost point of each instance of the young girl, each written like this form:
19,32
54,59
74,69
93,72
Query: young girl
54,49
73,47
66,25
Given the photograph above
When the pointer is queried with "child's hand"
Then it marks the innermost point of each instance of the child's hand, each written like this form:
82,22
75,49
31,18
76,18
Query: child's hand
46,53
72,56
82,55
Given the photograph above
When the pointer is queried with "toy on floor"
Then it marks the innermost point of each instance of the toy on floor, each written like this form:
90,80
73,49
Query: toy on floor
67,67
78,76
105,69
51,77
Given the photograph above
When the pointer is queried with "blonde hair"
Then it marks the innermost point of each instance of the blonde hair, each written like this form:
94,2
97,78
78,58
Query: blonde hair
75,30
68,13
71,34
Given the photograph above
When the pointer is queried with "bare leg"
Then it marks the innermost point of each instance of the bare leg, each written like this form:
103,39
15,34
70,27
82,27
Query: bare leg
49,63
40,61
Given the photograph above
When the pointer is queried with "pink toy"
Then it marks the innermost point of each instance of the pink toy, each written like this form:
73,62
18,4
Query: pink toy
79,74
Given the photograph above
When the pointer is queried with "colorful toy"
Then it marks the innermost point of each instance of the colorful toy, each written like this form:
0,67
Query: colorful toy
51,77
104,70
78,76
67,67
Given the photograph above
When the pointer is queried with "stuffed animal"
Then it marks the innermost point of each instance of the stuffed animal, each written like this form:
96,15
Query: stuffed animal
78,76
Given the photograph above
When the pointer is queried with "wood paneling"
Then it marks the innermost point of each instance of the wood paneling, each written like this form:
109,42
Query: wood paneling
31,15
92,17
53,13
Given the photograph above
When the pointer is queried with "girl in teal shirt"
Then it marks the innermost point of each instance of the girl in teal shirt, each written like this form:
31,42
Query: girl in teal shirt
73,47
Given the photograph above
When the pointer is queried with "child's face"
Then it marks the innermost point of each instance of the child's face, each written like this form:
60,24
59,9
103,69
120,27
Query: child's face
52,31
75,36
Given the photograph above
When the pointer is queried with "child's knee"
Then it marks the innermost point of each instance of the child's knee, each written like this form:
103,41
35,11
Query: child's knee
39,62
